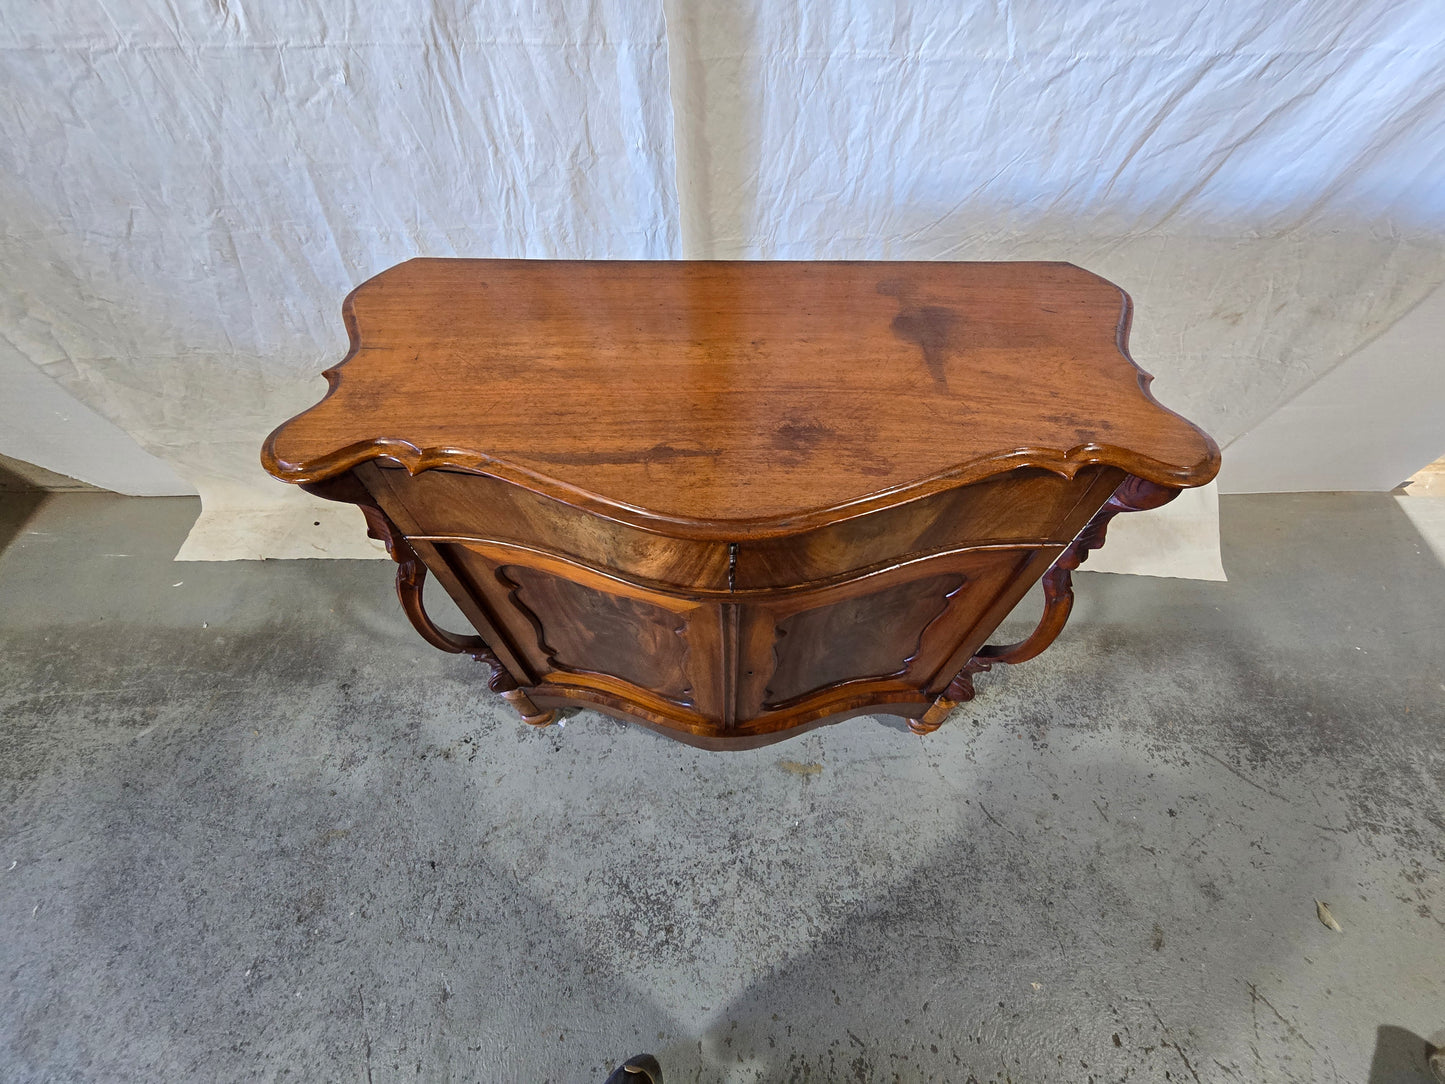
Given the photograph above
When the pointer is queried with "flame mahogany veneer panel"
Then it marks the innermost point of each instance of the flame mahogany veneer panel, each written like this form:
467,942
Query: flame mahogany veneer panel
732,501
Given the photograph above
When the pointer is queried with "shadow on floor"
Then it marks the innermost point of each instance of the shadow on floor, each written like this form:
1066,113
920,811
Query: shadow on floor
18,502
1401,1057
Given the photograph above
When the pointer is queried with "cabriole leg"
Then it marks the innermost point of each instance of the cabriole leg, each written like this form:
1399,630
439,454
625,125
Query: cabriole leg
1133,495
410,582
960,690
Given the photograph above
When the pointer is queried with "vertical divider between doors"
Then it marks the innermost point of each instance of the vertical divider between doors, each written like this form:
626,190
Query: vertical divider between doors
730,615
731,634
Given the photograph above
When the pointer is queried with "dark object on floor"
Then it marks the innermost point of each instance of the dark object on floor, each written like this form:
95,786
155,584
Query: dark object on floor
643,1069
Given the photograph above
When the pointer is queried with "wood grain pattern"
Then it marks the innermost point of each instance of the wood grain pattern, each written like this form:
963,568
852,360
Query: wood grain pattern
737,400
736,501
454,504
866,637
1024,506
582,629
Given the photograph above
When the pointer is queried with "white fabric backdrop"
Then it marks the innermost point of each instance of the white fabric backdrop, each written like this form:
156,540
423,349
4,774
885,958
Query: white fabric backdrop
1267,180
187,190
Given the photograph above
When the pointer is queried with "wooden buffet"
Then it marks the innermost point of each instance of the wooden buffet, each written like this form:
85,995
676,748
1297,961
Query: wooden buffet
733,501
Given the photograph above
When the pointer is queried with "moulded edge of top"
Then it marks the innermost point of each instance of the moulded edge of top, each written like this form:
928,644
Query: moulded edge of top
1063,462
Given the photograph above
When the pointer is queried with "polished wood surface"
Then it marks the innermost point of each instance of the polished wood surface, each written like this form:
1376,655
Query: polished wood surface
733,501
731,400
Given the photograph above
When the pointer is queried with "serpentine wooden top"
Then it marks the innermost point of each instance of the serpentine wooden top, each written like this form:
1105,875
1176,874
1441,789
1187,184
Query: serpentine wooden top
734,400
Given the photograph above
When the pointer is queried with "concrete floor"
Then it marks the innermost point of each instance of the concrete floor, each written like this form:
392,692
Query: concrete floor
253,828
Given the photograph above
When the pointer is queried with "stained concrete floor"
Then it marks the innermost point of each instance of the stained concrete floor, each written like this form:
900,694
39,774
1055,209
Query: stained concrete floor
255,829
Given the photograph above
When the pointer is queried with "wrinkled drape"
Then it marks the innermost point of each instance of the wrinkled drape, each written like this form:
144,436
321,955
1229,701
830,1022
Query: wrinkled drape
187,190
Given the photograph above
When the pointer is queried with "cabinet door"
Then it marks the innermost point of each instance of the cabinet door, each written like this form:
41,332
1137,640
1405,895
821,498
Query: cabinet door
885,636
577,626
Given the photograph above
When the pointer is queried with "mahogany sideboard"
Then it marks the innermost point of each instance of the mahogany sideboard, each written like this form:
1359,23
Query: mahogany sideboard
733,501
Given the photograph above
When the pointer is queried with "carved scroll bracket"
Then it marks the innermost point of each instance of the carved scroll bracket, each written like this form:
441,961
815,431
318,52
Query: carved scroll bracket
410,584
1133,495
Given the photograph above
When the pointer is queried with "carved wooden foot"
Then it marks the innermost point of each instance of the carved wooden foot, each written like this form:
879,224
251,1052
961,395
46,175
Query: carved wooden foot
545,718
1133,495
505,685
960,690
